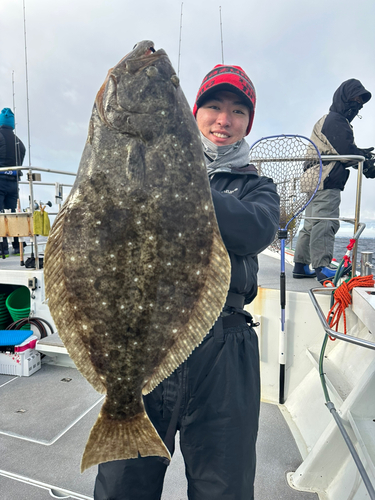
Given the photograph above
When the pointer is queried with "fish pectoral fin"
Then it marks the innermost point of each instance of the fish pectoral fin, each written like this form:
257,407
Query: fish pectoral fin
122,439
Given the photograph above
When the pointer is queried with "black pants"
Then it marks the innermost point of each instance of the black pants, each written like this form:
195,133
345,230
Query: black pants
218,422
8,200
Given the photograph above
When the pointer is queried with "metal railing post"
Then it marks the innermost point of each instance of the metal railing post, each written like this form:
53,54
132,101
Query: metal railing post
357,215
329,331
35,242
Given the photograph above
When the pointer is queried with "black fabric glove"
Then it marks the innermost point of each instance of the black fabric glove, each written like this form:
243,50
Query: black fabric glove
369,169
367,153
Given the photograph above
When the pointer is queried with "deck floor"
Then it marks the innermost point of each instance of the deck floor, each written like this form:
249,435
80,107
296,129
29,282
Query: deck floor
13,262
58,464
269,275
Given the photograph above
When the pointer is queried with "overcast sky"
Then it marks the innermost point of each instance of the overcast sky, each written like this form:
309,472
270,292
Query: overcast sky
296,53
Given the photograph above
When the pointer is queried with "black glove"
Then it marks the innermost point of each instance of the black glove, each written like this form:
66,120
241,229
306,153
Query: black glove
367,153
369,169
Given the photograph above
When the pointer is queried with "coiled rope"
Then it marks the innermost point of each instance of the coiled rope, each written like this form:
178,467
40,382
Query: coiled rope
343,298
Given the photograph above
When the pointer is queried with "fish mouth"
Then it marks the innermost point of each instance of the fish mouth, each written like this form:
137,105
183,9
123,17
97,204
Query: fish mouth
144,50
149,50
142,55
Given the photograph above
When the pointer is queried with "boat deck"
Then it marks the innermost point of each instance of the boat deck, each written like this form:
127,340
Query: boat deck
269,274
12,262
46,418
45,422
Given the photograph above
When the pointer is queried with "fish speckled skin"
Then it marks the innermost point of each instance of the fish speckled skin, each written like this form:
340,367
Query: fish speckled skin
136,272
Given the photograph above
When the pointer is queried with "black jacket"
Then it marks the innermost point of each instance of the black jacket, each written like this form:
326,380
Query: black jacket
334,134
247,209
9,155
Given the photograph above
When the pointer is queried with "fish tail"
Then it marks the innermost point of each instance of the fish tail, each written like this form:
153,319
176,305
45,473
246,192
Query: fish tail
122,439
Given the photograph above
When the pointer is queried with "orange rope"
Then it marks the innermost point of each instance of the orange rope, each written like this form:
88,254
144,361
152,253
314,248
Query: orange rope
343,298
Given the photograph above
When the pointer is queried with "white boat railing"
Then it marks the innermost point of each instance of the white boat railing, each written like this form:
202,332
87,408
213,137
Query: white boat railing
330,405
358,228
328,330
34,179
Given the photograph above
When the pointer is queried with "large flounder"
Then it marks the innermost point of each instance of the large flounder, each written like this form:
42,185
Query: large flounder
135,269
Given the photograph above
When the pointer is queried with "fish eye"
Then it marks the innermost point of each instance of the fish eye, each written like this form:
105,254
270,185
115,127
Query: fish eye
175,80
151,71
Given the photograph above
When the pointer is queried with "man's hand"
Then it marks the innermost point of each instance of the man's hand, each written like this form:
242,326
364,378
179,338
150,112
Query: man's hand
367,153
369,169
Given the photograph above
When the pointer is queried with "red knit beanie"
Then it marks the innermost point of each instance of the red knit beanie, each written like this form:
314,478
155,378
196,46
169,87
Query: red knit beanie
231,79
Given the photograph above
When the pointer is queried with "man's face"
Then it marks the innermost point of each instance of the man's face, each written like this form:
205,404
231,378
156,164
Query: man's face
355,105
223,118
359,100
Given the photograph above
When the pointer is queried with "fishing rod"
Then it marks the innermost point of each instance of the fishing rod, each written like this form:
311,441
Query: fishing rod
179,45
18,162
15,122
30,174
27,85
221,36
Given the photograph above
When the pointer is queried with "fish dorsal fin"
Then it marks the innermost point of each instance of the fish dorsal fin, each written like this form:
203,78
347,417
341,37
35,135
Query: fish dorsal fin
60,300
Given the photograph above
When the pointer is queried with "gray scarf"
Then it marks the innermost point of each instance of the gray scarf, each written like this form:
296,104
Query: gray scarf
233,158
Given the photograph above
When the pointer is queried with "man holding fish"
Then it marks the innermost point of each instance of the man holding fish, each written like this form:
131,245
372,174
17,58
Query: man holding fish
213,397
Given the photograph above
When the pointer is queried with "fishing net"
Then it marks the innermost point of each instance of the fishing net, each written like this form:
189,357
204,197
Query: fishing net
295,165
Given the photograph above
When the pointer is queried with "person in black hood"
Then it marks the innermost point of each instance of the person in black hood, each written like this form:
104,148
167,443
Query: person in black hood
213,398
333,135
12,152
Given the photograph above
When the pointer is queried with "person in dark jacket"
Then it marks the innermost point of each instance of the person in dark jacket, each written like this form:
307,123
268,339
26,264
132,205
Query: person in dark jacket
213,398
333,135
12,153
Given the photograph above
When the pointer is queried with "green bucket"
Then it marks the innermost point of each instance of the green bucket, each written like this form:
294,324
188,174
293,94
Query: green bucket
5,318
18,305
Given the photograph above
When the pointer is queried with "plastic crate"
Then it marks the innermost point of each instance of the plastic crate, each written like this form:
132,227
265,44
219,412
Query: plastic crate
23,362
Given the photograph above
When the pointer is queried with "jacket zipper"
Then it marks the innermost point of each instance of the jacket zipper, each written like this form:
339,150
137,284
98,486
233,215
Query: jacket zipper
244,265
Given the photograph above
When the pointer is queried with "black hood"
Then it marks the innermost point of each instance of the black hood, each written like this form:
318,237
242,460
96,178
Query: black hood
348,90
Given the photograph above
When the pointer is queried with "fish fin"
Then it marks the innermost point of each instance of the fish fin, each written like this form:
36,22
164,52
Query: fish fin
99,100
122,439
209,307
60,304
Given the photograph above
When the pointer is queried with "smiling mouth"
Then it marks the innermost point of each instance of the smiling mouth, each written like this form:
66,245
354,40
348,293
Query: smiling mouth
221,136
